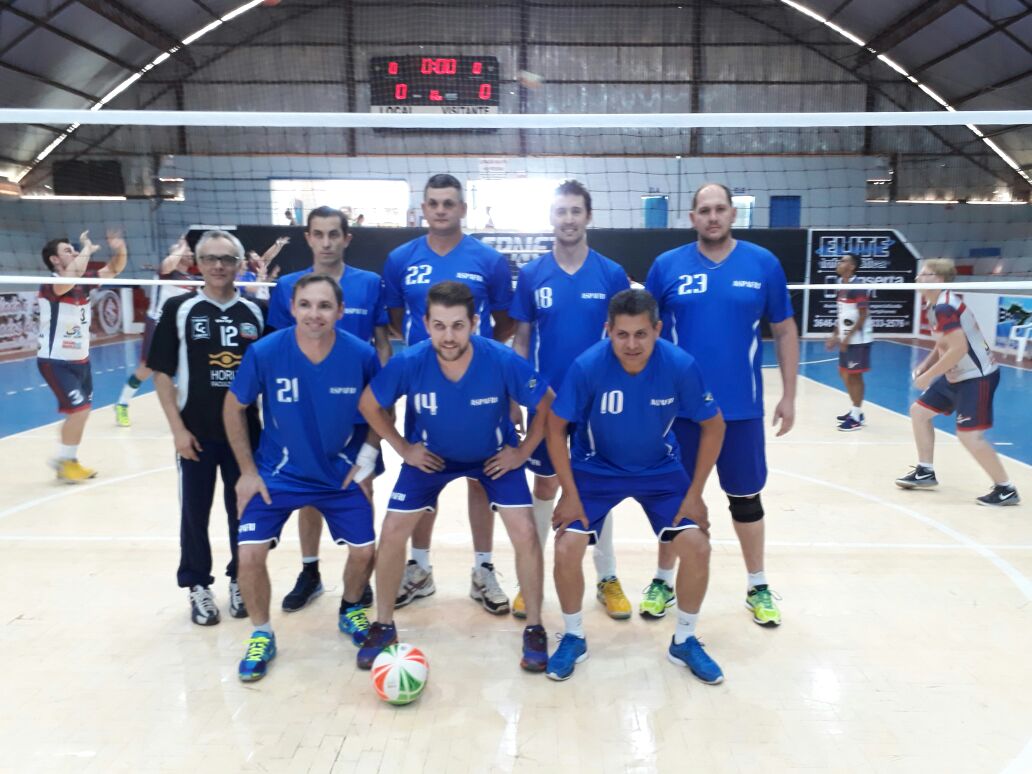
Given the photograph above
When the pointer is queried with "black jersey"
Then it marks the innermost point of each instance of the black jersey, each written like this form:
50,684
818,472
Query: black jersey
201,342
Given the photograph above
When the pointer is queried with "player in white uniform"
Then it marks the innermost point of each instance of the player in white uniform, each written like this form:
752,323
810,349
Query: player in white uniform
64,341
959,375
852,337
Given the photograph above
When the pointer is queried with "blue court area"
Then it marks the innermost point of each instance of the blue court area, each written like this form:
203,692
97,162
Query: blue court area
26,401
888,385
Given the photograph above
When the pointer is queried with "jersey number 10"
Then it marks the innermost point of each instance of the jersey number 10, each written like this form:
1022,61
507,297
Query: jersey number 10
612,402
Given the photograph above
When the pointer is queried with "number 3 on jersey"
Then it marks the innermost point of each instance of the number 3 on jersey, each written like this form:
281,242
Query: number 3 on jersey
418,275
692,283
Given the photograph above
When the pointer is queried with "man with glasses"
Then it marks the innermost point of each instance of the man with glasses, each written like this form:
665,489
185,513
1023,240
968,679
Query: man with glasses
200,340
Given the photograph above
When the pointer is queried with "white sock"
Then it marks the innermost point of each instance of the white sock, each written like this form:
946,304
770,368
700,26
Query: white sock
603,555
667,576
542,519
67,452
127,394
855,412
265,627
685,626
1006,485
573,623
421,557
309,559
928,465
757,579
481,558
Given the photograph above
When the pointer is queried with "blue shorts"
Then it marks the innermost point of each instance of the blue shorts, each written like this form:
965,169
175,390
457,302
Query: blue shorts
856,359
348,514
742,464
416,491
972,399
660,497
539,463
71,383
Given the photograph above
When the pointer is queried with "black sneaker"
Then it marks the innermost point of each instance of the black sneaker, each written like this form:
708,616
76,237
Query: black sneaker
1000,496
847,415
918,478
203,610
308,587
367,597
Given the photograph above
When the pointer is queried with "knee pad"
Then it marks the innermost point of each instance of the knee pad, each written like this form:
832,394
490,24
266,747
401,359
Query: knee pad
745,509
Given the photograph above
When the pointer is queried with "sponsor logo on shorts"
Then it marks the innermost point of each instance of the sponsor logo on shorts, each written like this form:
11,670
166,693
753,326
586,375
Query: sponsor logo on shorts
248,331
200,328
598,296
747,284
399,496
462,275
224,359
852,364
962,418
343,390
661,402
248,528
707,398
532,383
483,401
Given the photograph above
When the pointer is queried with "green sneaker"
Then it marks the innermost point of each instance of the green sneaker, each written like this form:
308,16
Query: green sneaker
122,415
658,597
760,602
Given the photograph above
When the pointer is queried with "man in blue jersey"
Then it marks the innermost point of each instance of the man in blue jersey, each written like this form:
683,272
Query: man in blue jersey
315,450
459,386
445,253
365,316
560,311
623,396
712,295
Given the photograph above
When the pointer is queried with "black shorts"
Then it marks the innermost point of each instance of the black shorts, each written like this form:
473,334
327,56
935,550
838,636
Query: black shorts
72,383
856,359
972,399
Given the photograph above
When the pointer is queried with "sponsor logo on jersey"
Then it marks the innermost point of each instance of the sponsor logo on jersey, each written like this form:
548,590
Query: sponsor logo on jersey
483,401
248,331
355,310
343,390
224,359
463,275
599,296
707,398
661,402
532,383
200,328
747,284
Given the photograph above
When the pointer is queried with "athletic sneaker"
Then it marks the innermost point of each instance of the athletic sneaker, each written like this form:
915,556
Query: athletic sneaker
691,654
760,602
416,584
484,588
308,587
610,593
377,638
367,596
71,471
535,649
849,424
918,478
122,415
572,650
658,597
999,496
353,622
261,649
237,608
519,607
203,610
847,415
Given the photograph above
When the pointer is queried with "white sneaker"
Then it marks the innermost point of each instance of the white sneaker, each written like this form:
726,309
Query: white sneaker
416,584
484,589
237,608
203,610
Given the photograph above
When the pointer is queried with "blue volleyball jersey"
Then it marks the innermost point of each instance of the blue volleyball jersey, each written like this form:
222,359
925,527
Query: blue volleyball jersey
623,422
364,306
567,312
713,312
413,267
312,429
467,420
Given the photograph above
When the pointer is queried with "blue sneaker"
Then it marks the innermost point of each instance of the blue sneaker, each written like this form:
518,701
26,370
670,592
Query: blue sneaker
847,415
690,654
571,651
261,649
849,424
354,623
377,638
535,649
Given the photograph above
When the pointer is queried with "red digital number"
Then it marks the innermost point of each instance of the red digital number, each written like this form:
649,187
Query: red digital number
485,91
401,91
448,66
426,66
392,68
429,66
435,96
478,68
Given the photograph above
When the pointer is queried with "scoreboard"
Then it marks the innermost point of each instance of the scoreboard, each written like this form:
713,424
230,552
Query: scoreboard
416,83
